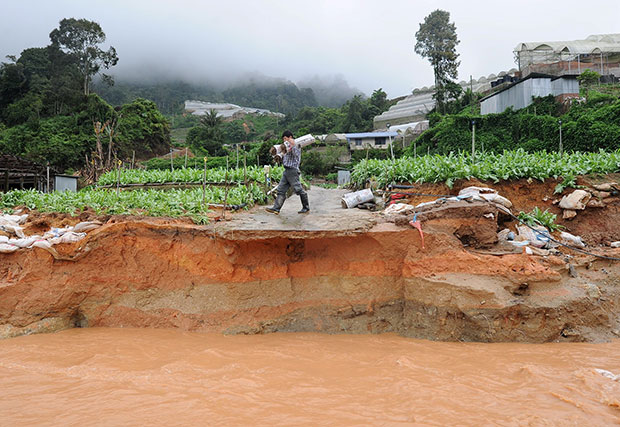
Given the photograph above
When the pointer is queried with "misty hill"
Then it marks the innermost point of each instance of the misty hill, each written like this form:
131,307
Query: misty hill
275,94
331,91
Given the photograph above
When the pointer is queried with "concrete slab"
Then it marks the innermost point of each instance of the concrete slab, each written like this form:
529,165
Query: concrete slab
326,214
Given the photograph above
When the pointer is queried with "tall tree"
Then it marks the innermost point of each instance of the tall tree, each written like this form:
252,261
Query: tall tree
436,40
81,38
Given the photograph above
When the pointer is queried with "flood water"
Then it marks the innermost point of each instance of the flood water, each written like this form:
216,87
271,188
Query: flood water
165,377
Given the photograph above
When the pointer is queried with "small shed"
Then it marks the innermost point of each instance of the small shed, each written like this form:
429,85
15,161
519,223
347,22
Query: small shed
19,173
65,183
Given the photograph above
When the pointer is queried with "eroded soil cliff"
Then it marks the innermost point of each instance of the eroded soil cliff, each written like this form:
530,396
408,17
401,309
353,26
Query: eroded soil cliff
366,277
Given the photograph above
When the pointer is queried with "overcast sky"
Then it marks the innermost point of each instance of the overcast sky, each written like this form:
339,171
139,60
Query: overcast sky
369,42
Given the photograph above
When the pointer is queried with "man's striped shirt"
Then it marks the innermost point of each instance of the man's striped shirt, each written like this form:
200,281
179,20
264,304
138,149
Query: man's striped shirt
292,158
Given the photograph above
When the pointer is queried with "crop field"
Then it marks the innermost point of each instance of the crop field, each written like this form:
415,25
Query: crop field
170,203
508,165
188,175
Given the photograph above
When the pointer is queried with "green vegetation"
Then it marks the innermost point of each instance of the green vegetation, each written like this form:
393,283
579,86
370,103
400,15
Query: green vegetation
538,217
436,40
140,176
170,203
589,126
508,165
48,115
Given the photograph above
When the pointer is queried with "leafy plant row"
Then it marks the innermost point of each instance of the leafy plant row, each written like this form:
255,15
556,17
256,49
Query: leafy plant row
140,176
171,203
492,167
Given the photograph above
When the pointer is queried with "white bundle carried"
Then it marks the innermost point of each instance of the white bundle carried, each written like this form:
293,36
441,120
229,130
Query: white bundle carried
279,150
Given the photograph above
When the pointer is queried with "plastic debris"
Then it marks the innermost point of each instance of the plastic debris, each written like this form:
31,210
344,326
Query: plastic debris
416,224
572,240
608,374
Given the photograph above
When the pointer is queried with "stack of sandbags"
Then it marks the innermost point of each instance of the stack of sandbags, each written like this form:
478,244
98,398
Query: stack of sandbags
484,193
52,237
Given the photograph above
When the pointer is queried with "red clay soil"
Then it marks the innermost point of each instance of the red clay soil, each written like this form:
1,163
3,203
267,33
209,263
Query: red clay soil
141,272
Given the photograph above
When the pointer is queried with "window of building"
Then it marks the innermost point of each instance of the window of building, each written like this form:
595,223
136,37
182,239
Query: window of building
358,142
380,140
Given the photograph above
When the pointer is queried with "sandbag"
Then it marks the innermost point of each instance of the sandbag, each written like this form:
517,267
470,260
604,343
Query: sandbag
7,249
399,208
538,237
26,242
571,239
86,226
68,237
577,200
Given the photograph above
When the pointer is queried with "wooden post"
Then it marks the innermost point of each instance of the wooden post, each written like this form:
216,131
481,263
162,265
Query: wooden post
171,165
245,170
6,181
204,183
48,179
225,190
118,178
185,157
473,141
133,158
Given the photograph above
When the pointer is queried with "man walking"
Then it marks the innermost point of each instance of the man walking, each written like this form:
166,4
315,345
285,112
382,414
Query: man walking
290,177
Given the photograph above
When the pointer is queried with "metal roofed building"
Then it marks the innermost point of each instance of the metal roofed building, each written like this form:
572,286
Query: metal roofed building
416,106
519,95
599,52
361,141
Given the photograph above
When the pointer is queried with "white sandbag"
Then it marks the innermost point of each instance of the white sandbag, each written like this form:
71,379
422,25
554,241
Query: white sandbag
484,193
7,249
68,237
86,226
476,191
399,208
496,198
577,200
571,239
43,244
25,242
56,232
538,237
4,239
12,229
13,219
615,244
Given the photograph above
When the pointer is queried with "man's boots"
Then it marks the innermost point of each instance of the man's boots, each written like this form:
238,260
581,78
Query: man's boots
277,205
305,204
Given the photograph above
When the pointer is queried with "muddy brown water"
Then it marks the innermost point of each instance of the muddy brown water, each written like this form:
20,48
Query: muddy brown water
105,376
